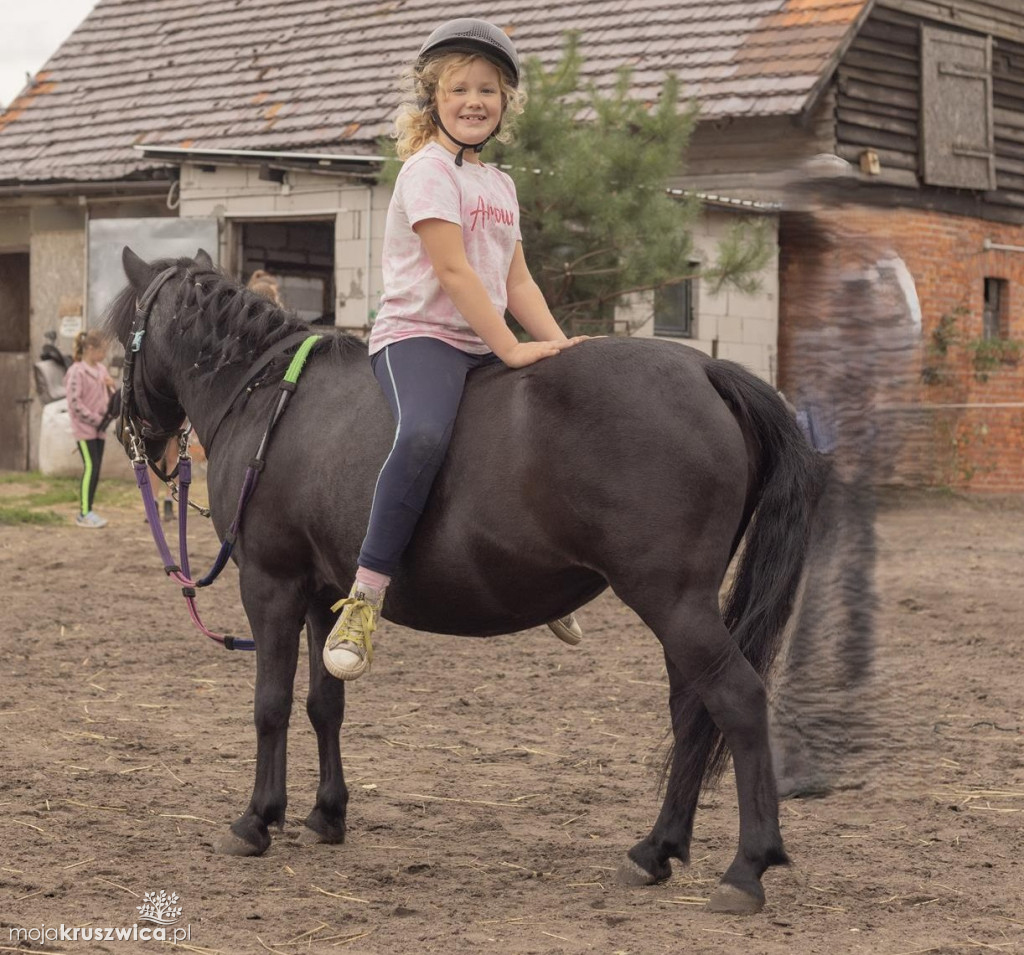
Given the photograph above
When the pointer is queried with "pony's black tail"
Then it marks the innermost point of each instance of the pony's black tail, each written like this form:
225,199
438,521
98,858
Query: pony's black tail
788,481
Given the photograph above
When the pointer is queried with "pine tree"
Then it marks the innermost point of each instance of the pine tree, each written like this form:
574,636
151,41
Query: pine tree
591,169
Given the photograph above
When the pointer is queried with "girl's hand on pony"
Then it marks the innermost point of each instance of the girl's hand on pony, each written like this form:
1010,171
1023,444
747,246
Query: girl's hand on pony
527,353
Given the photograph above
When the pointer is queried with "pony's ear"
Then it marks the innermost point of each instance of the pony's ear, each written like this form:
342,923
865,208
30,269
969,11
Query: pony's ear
139,272
203,259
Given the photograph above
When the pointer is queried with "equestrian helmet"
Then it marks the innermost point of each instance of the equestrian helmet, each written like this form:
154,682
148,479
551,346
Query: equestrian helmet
469,35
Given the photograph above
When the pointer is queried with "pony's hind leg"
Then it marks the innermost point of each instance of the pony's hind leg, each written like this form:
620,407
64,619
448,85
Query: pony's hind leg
325,706
648,861
737,702
734,702
274,611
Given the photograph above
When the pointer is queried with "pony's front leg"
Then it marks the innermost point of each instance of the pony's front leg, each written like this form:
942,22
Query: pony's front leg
325,707
275,611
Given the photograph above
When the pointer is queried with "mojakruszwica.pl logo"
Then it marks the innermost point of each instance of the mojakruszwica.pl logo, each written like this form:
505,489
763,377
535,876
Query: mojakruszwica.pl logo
160,913
160,908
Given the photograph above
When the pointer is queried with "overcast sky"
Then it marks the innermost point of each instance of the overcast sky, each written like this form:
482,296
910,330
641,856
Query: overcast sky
32,31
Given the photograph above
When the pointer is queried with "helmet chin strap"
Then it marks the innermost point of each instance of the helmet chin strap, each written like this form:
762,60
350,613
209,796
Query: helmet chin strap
476,147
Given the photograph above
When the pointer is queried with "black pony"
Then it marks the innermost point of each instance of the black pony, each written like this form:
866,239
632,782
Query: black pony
629,463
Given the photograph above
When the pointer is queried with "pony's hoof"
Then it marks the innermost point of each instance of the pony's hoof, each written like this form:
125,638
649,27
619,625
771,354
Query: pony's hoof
630,873
322,828
310,837
730,900
231,845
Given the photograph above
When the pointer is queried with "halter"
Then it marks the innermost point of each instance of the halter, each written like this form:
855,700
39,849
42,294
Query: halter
181,571
135,427
136,422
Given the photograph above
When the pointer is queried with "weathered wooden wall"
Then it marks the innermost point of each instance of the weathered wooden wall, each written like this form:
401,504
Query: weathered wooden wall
1003,18
878,100
755,157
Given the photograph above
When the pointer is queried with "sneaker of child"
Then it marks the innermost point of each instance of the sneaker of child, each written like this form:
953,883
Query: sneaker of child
92,519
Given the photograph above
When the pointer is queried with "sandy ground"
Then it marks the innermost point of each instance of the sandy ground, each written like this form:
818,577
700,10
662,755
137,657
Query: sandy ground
496,784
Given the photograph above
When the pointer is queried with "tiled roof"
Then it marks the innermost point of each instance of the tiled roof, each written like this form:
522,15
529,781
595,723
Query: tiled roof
321,74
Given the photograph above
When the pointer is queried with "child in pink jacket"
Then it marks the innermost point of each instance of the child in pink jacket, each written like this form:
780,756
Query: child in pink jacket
89,386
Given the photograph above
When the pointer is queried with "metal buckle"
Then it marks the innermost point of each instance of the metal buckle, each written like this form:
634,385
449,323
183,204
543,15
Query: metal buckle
137,448
183,438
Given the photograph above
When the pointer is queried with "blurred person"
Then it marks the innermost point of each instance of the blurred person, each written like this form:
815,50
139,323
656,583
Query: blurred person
852,323
265,284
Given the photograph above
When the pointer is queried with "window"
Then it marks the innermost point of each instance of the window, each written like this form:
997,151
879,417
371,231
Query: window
674,309
957,145
994,322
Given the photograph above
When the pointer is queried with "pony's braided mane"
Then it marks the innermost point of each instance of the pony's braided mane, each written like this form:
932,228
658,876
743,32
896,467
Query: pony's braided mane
229,323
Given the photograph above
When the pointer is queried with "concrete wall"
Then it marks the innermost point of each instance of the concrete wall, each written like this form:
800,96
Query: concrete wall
728,323
53,231
57,283
235,194
740,327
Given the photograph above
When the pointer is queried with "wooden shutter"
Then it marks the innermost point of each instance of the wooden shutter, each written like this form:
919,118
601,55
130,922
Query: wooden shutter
956,109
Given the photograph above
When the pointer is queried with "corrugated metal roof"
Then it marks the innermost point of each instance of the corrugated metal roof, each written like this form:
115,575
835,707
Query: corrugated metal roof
321,74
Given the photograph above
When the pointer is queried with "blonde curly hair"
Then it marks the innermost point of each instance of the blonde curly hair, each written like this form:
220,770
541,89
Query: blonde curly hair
415,125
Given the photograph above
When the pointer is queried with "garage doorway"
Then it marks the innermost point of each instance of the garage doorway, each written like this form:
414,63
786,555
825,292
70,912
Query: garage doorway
300,255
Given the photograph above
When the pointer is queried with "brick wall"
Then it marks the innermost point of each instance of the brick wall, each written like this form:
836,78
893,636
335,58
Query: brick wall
951,422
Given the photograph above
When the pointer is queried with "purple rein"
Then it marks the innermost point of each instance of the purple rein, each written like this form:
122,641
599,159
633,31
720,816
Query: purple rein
180,572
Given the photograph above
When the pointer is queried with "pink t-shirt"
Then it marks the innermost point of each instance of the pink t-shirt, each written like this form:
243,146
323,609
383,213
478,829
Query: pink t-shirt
483,201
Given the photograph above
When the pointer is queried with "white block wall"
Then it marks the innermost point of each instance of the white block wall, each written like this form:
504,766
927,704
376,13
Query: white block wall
739,327
237,194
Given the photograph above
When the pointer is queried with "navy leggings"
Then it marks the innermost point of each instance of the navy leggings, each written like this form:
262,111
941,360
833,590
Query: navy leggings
423,380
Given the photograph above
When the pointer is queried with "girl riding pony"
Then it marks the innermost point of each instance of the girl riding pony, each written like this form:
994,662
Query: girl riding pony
452,263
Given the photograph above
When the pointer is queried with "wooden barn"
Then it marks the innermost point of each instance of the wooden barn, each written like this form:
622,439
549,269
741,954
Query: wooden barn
896,122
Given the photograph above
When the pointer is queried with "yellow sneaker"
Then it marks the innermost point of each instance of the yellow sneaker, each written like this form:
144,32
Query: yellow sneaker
348,651
567,629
